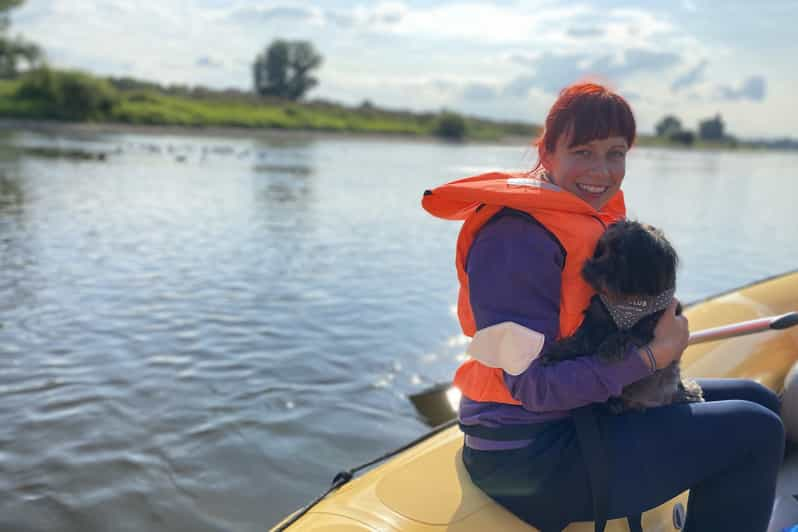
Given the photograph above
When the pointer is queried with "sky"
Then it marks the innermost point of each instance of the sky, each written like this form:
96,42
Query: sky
505,59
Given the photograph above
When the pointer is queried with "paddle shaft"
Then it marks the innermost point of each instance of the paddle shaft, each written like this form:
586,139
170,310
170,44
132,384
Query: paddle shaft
743,328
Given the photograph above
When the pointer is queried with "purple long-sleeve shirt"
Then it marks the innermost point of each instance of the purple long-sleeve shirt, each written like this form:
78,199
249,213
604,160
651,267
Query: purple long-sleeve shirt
514,274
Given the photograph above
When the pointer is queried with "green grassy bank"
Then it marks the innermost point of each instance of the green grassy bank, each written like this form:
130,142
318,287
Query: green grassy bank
49,94
82,98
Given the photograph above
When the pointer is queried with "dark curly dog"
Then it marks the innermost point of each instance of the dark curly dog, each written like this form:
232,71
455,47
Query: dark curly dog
633,270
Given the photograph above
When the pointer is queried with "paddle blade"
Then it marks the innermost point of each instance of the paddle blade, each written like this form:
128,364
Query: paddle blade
436,404
786,321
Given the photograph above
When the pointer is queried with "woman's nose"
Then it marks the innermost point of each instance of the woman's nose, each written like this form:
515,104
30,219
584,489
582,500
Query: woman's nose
600,169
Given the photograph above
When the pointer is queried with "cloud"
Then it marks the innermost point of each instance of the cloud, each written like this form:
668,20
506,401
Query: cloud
479,92
441,85
378,17
520,87
386,13
268,14
585,32
689,5
691,77
552,72
634,61
525,60
208,62
340,18
752,88
477,22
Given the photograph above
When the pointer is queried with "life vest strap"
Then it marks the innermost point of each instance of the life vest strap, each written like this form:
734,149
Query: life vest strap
594,452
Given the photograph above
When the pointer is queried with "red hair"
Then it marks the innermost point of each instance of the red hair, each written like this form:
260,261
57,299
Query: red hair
588,111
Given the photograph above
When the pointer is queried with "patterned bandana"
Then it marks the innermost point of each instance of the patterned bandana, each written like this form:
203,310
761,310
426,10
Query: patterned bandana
627,314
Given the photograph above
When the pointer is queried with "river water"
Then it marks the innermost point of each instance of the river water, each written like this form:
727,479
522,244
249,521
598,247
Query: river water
199,331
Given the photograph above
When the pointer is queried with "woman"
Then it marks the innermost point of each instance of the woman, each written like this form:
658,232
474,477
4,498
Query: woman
519,258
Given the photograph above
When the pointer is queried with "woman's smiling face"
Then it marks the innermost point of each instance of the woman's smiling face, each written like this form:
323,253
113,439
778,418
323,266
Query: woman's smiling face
593,171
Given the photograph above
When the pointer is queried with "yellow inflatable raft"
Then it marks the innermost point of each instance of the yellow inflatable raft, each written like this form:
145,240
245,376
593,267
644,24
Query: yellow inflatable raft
426,488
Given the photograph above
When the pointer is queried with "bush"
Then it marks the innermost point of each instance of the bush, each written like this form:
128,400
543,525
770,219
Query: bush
450,126
683,137
141,96
38,84
67,94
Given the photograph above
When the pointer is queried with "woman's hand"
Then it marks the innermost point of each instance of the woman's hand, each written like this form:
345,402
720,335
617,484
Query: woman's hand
670,337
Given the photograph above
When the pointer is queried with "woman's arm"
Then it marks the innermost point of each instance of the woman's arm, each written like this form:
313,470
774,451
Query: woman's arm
514,270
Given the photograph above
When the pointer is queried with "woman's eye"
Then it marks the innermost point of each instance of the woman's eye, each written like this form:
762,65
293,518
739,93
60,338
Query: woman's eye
617,154
582,153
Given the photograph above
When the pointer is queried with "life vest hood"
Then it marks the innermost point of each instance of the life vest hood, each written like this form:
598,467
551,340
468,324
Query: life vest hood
459,199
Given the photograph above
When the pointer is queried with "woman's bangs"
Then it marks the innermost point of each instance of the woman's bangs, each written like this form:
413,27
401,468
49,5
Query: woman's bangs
600,119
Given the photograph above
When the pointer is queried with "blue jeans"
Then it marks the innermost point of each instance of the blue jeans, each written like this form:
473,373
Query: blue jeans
727,451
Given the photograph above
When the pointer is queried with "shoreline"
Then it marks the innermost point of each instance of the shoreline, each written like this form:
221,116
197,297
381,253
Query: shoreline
99,128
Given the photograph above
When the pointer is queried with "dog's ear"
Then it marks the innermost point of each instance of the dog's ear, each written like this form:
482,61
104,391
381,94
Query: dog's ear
597,270
600,251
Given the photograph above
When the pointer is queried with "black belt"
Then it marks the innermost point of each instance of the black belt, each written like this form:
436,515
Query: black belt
525,431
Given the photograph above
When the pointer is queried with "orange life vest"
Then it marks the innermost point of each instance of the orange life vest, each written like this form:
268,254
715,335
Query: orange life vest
576,225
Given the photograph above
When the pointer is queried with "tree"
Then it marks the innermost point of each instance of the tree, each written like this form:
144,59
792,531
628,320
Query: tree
711,128
14,49
284,69
668,126
5,5
450,126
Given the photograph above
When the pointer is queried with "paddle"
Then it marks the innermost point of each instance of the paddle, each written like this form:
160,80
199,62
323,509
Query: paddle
437,403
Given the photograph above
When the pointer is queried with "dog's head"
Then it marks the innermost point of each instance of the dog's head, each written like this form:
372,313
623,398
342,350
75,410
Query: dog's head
632,259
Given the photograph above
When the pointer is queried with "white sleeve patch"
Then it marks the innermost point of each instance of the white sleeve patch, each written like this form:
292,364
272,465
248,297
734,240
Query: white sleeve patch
507,345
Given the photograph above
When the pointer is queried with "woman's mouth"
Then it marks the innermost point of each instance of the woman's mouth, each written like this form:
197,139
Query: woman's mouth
592,189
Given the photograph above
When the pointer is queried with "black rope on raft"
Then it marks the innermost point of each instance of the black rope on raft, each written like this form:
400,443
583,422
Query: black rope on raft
345,476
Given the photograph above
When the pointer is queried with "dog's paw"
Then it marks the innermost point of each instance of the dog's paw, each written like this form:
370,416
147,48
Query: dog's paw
689,391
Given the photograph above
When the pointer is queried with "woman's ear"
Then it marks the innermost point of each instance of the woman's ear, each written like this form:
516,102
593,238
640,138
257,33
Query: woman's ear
545,160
